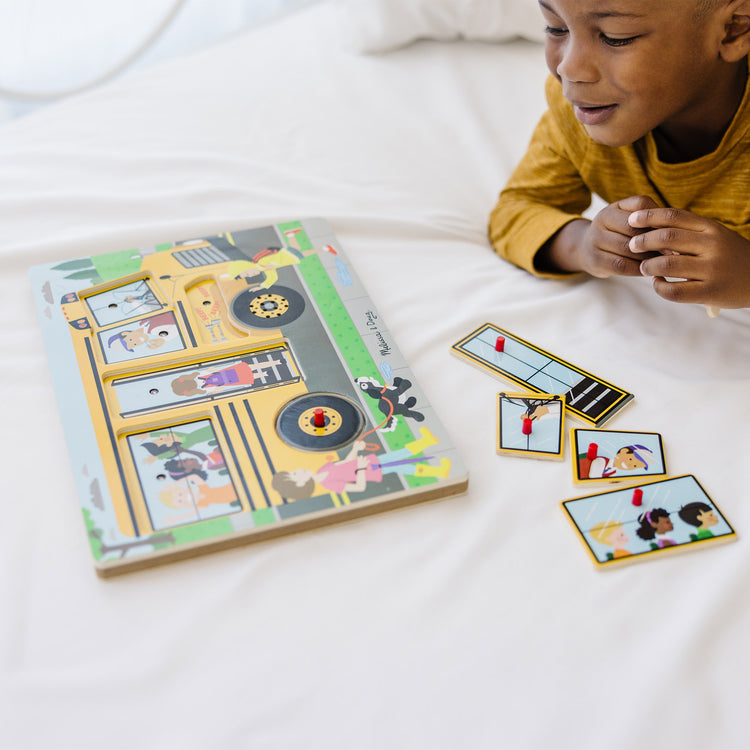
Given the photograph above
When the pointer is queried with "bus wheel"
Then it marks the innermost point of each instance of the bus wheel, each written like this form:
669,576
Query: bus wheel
341,422
267,308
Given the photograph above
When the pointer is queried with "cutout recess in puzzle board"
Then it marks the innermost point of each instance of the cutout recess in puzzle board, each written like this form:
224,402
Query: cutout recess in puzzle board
231,388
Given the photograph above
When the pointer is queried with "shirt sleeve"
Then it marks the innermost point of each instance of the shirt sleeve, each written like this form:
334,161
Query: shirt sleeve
546,191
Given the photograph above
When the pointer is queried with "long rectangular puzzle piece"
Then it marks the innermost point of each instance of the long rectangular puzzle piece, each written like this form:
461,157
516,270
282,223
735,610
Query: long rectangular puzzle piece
501,353
232,388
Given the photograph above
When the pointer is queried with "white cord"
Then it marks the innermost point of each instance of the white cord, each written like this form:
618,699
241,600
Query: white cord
115,70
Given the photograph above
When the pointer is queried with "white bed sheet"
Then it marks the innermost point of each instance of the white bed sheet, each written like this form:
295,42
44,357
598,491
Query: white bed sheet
473,622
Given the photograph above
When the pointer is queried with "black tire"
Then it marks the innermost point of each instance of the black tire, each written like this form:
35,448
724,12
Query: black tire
344,422
267,308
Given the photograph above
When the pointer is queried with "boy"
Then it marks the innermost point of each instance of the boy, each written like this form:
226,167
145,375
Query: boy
649,108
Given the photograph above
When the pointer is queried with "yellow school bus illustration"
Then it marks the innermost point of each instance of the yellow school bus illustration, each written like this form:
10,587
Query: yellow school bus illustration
241,383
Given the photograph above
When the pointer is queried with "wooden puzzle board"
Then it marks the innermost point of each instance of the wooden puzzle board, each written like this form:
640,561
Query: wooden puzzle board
232,388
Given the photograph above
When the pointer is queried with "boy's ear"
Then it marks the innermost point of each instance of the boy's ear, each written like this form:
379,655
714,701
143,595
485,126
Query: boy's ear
736,41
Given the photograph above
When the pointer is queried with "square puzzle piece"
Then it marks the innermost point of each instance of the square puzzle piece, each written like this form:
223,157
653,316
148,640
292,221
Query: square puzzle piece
530,424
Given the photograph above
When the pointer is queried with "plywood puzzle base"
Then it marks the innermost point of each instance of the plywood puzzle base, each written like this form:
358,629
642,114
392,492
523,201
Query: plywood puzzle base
231,389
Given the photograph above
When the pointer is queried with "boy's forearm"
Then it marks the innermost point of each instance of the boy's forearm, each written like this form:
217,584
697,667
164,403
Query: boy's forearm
561,253
520,225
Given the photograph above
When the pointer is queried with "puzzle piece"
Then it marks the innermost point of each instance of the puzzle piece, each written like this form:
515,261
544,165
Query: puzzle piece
587,397
530,424
666,516
615,455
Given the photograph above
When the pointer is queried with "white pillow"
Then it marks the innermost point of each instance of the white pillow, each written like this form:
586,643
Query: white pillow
382,25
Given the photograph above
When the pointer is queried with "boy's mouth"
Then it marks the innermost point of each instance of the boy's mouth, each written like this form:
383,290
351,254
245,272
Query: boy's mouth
593,115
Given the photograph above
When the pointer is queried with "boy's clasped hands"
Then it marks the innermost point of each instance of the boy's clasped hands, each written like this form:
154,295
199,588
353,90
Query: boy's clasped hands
691,258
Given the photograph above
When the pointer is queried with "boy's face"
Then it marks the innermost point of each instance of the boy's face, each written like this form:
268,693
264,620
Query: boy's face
708,518
630,66
626,459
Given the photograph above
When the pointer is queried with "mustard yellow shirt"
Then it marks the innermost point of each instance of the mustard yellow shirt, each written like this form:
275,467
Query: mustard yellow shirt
563,166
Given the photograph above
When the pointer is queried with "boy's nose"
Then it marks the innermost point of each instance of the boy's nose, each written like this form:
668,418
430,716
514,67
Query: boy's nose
576,63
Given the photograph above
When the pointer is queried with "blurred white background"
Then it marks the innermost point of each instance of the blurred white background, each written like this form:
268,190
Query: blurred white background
53,48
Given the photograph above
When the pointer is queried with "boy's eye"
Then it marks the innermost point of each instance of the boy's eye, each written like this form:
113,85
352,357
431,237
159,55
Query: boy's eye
553,31
618,41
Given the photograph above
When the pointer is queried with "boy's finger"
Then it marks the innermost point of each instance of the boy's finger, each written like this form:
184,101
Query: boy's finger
615,262
636,203
667,241
618,265
673,266
616,220
614,240
665,217
680,291
616,216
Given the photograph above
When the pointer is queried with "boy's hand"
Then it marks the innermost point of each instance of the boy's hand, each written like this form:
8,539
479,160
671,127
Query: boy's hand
600,247
606,249
711,262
